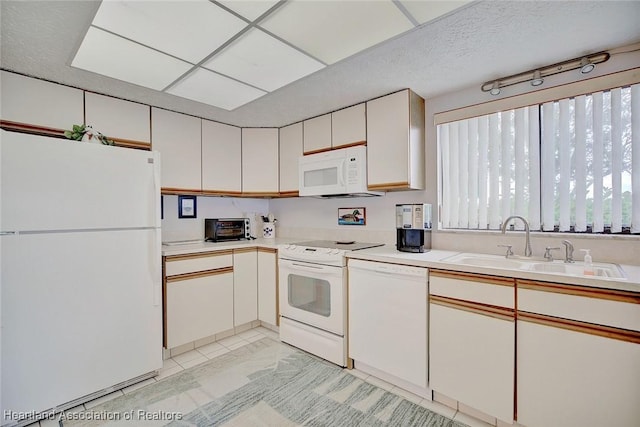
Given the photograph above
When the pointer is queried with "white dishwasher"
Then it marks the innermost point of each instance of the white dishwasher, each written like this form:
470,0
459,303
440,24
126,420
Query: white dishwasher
388,320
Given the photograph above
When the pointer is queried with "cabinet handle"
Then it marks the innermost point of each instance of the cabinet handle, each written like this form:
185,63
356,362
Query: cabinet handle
474,307
198,274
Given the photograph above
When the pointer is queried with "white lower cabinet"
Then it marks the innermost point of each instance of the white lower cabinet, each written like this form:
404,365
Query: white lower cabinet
388,319
245,286
573,372
267,286
199,307
472,341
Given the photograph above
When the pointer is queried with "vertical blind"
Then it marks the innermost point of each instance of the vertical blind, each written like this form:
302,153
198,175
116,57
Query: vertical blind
567,165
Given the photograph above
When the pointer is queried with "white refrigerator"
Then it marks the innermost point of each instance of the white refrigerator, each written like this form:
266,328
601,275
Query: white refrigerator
81,272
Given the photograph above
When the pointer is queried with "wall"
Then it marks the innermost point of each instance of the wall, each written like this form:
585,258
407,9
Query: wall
174,228
315,218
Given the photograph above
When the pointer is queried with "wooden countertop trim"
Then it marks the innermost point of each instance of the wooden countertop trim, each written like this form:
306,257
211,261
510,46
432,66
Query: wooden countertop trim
576,326
267,250
582,291
474,307
198,274
474,277
194,255
244,250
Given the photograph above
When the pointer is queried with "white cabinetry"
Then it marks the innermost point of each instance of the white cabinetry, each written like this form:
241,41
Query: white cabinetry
388,319
267,286
472,340
221,159
198,296
573,371
177,137
348,126
37,105
395,142
127,123
245,286
290,152
260,161
317,134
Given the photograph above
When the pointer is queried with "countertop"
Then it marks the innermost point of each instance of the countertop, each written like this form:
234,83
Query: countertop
431,259
438,259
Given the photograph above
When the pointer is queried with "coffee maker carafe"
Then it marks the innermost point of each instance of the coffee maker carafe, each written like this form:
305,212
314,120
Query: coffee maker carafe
413,227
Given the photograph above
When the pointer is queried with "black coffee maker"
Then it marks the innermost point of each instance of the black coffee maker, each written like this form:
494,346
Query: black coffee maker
413,227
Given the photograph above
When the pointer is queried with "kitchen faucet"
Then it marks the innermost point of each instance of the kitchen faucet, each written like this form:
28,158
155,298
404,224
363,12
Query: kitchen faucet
527,243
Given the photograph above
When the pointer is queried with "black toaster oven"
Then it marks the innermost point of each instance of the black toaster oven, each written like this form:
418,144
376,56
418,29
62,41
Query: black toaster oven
224,229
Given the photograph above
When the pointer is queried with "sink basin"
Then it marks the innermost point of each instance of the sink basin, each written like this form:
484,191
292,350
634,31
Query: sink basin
495,261
600,270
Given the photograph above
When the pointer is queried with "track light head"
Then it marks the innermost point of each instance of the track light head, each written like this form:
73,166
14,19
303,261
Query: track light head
537,79
586,66
495,89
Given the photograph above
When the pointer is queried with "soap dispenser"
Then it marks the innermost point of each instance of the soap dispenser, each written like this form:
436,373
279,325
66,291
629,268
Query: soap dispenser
588,263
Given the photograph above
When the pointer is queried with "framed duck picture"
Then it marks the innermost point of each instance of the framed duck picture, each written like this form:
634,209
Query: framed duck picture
351,216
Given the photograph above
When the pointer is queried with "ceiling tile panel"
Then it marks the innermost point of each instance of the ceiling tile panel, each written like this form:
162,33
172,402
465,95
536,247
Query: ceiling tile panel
113,56
425,11
210,88
249,9
263,61
334,30
189,30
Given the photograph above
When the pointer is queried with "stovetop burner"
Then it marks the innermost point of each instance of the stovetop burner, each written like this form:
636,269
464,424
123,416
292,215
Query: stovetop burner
349,245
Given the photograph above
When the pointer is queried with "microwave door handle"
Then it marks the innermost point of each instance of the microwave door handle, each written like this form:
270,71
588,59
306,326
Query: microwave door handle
344,173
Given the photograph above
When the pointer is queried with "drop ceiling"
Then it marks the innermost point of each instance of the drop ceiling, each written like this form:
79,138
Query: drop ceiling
271,63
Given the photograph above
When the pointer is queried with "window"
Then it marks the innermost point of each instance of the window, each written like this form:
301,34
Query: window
567,165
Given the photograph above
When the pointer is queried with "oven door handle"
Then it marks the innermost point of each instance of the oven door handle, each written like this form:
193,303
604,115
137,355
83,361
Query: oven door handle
303,266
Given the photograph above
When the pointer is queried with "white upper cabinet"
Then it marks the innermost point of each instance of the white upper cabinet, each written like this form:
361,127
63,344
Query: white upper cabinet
177,137
290,152
118,119
40,104
395,142
317,134
349,126
221,158
260,161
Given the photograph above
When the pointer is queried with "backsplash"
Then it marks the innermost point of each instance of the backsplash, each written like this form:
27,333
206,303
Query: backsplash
174,228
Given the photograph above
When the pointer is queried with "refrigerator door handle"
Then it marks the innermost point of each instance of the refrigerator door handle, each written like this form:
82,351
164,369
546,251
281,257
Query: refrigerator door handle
7,233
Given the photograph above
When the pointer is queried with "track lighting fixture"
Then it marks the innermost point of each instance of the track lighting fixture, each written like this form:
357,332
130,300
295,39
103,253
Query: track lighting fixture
536,76
537,79
586,66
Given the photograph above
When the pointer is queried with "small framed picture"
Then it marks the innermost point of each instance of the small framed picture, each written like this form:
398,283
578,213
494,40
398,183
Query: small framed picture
351,216
187,207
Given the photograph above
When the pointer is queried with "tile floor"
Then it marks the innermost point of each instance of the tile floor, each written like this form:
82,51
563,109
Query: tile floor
210,351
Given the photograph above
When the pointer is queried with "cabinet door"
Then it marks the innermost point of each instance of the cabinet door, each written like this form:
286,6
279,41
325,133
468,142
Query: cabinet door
40,104
123,121
471,358
395,142
267,286
245,286
177,137
290,152
348,126
317,134
260,161
198,307
568,378
221,158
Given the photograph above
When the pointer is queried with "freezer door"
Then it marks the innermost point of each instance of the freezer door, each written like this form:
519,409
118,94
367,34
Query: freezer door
57,184
80,312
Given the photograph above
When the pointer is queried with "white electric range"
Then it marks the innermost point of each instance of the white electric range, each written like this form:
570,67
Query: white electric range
313,286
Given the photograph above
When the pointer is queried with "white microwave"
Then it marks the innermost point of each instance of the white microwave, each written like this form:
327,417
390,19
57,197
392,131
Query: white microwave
335,173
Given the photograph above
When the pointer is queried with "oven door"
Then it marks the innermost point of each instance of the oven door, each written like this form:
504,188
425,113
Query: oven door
313,294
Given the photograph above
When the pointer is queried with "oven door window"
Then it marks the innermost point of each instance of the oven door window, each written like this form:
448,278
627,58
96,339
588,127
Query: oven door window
309,294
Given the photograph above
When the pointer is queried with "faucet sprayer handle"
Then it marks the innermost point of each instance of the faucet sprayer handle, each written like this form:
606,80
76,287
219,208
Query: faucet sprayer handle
509,251
547,253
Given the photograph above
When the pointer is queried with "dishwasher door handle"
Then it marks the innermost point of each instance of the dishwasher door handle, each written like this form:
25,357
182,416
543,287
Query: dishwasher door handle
417,275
